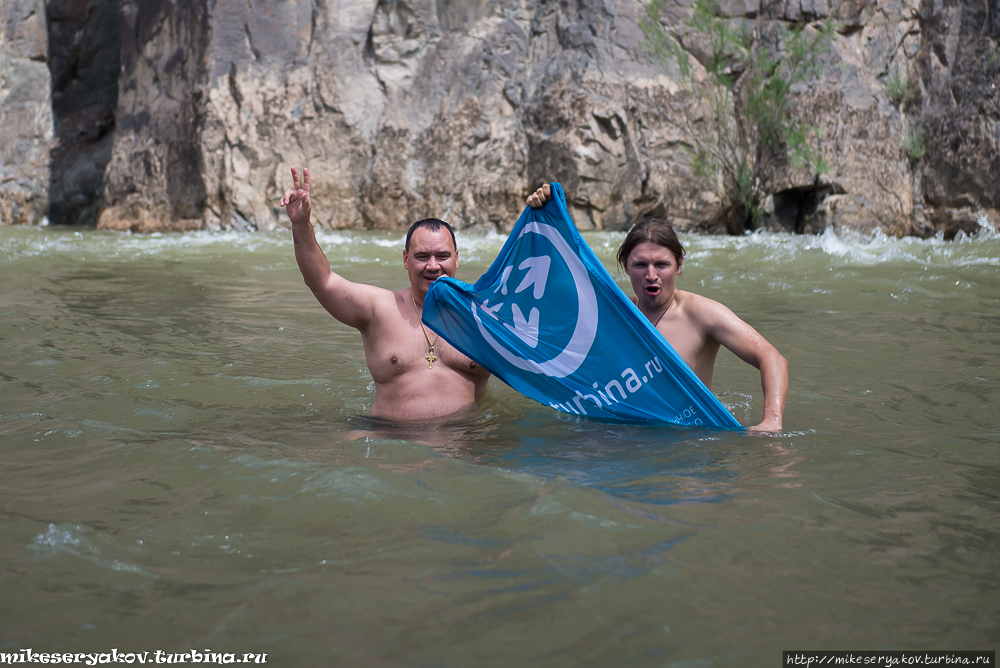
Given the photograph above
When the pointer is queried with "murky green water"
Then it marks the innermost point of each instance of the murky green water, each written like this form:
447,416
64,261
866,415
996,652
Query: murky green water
176,470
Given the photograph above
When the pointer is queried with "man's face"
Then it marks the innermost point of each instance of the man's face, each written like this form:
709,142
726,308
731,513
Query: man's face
652,270
431,256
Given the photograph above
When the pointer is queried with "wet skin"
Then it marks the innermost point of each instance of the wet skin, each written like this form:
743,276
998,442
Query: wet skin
696,326
406,387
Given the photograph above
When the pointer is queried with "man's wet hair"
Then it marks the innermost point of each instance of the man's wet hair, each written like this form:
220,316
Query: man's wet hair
653,230
432,224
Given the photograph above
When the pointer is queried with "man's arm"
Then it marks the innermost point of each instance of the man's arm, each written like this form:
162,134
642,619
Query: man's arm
351,303
746,343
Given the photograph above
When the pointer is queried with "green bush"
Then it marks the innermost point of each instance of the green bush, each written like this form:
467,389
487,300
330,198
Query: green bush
913,143
994,53
745,103
897,87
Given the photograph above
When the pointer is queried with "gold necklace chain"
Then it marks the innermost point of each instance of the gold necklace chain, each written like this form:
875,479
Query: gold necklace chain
430,356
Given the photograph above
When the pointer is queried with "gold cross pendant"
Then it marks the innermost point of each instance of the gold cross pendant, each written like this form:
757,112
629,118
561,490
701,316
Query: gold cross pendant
431,358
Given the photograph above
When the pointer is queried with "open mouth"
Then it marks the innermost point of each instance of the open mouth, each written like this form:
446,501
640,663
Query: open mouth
652,290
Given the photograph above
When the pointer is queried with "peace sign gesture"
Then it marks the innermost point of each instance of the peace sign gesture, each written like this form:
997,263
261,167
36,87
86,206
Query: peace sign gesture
296,202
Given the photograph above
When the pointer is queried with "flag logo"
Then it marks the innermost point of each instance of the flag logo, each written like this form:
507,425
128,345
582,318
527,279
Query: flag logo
548,320
560,271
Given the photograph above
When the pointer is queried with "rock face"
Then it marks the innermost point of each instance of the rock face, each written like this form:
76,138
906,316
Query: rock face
401,110
155,179
908,116
923,157
404,109
25,112
957,75
84,55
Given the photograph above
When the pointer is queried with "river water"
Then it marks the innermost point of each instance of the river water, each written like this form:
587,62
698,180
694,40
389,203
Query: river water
184,465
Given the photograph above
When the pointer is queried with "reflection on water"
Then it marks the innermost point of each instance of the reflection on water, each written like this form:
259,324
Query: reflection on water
650,463
188,462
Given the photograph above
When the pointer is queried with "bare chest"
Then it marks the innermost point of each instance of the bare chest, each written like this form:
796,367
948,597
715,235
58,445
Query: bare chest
688,341
394,351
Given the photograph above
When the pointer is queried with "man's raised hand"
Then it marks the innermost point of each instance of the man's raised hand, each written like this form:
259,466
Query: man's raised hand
296,202
540,196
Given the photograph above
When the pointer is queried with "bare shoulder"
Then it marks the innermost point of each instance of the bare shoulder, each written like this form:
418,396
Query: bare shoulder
703,310
401,296
718,322
392,302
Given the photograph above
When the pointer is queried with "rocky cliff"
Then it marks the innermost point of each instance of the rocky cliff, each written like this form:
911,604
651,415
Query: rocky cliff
26,125
84,58
458,108
955,76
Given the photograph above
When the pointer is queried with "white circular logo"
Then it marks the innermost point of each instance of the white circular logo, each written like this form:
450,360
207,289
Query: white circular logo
576,351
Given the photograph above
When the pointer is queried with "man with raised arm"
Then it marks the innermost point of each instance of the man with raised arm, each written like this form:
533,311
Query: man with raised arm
416,374
693,325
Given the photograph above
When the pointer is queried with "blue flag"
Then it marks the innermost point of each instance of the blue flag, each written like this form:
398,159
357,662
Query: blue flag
548,320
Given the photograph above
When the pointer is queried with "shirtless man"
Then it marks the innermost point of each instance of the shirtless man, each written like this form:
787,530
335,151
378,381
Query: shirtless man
416,374
693,325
